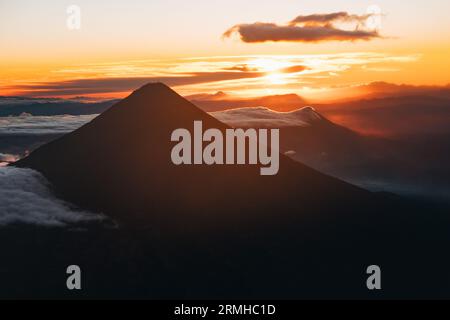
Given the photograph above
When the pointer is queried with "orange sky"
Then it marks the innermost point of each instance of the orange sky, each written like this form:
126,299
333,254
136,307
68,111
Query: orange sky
123,44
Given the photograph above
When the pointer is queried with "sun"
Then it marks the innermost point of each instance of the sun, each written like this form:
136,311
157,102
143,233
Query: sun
276,78
269,65
273,68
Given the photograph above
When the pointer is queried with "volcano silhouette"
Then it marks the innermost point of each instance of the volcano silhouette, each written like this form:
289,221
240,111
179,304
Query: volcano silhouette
120,164
221,231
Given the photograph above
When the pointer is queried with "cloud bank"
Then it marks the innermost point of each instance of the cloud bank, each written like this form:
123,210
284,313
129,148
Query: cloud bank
310,28
8,157
121,84
264,117
40,125
25,198
21,135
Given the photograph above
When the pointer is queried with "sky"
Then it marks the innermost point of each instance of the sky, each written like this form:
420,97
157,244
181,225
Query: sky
122,44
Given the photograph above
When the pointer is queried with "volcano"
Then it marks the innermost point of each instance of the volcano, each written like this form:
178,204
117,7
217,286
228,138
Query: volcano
215,231
119,164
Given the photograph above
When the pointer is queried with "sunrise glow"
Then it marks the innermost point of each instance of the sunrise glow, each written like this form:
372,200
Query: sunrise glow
43,58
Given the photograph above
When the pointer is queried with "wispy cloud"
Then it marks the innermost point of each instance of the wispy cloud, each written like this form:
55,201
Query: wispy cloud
207,74
124,84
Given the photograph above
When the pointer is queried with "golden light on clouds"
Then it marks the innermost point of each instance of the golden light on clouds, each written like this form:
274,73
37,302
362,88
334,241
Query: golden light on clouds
269,64
276,78
340,44
240,75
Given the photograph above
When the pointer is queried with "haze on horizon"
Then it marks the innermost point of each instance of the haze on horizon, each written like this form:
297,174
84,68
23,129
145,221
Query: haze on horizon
245,49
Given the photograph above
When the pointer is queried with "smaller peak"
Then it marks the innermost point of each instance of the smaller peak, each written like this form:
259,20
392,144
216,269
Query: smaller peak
308,109
309,112
305,110
219,94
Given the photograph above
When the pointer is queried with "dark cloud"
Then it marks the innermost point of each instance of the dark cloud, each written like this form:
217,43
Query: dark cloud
321,19
124,84
311,28
294,69
247,68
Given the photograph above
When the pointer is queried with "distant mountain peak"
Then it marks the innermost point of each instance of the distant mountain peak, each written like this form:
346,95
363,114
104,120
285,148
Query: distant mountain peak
219,94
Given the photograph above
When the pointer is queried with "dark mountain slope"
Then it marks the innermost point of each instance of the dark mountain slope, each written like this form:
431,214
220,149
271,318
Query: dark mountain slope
299,234
120,164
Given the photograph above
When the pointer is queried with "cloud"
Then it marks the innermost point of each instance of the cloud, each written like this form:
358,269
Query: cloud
321,19
41,125
23,106
264,117
242,68
21,101
26,198
290,153
204,74
6,157
311,28
21,135
125,84
294,69
247,68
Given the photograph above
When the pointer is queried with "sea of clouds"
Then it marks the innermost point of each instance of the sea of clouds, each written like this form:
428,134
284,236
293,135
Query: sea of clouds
39,125
26,198
25,195
264,117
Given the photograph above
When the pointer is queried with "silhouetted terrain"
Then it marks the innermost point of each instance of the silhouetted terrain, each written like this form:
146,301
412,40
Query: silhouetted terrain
214,231
18,145
221,101
380,89
395,164
398,116
383,109
131,143
407,165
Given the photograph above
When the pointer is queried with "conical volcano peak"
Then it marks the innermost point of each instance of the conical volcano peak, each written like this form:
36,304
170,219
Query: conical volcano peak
121,164
154,91
154,88
153,102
